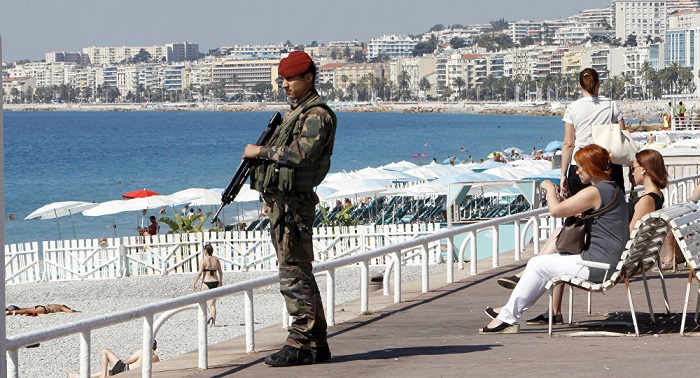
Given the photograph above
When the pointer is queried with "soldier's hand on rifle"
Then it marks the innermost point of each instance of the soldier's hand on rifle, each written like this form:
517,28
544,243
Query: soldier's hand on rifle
251,151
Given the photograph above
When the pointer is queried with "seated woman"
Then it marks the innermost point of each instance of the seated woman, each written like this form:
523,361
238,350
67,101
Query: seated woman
649,170
38,310
608,234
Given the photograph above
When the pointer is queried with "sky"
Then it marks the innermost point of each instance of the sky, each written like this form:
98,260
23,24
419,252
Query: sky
30,28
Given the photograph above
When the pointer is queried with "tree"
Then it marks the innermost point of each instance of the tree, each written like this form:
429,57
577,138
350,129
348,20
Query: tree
424,84
404,80
261,89
313,44
459,83
180,224
631,41
526,41
457,43
437,27
501,24
142,56
359,56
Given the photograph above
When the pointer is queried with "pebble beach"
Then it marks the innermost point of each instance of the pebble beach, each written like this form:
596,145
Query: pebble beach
177,336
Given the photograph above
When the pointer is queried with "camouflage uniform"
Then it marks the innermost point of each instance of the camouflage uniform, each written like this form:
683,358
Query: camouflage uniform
292,213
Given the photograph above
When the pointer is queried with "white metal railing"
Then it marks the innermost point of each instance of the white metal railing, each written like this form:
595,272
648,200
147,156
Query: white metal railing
678,190
180,253
147,312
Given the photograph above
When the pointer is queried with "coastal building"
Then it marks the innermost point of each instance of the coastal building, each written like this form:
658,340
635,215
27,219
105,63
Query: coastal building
391,46
353,73
326,73
15,88
335,50
252,51
684,20
240,76
597,17
171,52
77,58
415,69
46,74
644,19
628,63
175,79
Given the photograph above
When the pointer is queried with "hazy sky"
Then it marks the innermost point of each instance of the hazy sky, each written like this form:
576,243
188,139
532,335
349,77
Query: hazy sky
31,28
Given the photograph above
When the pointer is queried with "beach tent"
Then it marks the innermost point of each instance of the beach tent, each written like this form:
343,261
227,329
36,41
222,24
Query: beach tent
553,175
400,166
358,188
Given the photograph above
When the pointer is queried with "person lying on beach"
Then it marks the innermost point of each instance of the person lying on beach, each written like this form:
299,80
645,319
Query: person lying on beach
109,358
37,310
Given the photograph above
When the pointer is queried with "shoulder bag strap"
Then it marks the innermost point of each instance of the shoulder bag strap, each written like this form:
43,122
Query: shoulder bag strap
606,208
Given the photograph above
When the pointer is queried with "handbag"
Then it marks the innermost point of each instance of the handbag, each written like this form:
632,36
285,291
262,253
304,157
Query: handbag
618,142
573,237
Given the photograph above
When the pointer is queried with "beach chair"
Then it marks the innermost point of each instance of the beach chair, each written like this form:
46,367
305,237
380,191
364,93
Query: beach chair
641,253
686,231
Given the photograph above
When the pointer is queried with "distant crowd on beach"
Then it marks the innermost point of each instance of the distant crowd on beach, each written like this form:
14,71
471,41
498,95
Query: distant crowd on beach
513,154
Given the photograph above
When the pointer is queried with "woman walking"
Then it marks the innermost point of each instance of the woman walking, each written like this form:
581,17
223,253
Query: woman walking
212,277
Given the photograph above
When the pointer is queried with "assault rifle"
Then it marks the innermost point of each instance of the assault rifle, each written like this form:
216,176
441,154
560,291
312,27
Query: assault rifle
243,171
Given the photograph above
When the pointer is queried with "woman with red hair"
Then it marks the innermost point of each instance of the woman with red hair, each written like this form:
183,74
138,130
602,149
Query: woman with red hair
607,235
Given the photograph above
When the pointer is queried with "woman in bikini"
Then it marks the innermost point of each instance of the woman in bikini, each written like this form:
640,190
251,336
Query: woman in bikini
37,310
212,277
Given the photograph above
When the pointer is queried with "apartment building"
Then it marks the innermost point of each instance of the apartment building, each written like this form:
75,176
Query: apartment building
640,18
77,58
172,52
352,73
594,17
684,20
326,73
46,74
250,51
417,68
12,85
392,46
242,75
679,47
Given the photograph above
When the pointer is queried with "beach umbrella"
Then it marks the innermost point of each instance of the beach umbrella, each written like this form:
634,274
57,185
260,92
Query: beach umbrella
553,175
120,206
383,174
466,177
198,196
400,166
480,167
139,194
553,145
55,210
358,188
513,150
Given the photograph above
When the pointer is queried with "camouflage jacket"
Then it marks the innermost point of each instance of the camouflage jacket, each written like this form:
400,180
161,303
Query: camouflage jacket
299,152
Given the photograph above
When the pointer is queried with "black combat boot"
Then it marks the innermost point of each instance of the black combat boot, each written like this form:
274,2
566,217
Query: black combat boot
321,352
290,356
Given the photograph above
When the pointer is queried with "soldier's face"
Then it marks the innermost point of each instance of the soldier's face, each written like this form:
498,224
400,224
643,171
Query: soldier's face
298,86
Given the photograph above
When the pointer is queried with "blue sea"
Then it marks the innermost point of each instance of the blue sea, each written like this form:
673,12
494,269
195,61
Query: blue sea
98,156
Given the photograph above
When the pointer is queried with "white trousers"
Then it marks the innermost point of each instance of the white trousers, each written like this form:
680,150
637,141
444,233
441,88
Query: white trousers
539,270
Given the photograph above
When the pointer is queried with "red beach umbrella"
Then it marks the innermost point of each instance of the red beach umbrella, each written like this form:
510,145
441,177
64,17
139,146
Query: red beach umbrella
141,193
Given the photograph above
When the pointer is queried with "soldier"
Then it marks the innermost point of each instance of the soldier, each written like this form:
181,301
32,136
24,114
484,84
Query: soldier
286,171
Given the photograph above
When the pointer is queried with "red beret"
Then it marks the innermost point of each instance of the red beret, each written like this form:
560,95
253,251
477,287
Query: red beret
296,63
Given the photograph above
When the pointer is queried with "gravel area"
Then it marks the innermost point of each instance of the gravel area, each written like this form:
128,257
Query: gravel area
177,336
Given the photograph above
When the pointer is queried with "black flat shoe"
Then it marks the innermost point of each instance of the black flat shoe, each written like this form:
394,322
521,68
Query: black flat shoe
501,328
542,319
491,312
508,282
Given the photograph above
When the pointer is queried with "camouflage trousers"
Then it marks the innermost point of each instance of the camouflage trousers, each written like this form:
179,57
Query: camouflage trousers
291,223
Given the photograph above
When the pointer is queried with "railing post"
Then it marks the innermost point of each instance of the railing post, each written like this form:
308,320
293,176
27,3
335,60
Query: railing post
473,254
536,235
397,277
364,287
249,322
285,315
516,243
450,260
330,297
425,277
12,363
494,246
203,342
85,354
147,367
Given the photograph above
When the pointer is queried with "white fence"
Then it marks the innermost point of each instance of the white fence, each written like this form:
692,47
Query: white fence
180,253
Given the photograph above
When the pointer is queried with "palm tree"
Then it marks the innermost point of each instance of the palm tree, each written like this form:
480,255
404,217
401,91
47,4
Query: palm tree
424,84
404,84
459,83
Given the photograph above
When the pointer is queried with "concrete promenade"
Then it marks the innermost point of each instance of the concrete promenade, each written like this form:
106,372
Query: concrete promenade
436,335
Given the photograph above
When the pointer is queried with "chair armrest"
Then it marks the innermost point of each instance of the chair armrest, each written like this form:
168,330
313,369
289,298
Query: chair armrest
593,264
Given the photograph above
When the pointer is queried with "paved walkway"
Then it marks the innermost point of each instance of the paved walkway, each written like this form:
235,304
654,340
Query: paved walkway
436,335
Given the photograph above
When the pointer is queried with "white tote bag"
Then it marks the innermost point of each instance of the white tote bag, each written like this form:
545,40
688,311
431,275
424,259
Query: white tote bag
618,142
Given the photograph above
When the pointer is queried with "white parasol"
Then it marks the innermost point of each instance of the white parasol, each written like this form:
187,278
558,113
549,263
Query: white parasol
61,209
